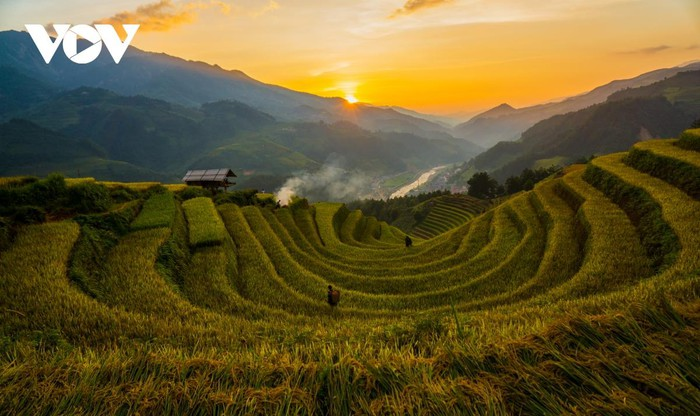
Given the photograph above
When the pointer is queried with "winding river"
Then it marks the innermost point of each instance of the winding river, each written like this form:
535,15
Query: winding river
418,182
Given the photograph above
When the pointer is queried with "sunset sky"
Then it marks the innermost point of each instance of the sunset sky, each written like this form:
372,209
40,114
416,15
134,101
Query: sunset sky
439,56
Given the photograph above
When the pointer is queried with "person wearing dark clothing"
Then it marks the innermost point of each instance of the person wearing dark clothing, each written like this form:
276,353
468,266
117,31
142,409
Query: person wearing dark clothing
333,296
409,242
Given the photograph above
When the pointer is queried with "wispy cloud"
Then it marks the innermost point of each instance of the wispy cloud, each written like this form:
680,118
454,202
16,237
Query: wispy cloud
693,47
165,14
647,51
378,19
329,69
413,6
271,6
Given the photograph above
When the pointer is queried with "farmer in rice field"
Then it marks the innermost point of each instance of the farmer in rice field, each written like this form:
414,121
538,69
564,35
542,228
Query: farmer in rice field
333,296
408,241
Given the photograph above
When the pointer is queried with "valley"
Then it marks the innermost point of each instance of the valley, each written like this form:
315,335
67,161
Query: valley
422,179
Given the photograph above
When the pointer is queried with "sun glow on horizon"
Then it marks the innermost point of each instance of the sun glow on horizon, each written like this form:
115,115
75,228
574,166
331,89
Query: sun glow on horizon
346,89
436,56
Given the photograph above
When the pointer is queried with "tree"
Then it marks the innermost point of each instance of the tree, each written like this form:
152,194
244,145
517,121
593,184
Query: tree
696,124
528,179
481,185
513,185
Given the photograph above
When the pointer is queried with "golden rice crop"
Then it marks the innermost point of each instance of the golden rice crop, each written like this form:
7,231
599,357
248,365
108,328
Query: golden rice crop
203,222
77,181
304,224
158,211
546,304
9,180
679,211
257,278
666,161
613,255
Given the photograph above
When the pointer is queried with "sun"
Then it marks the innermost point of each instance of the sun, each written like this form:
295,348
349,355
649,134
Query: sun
351,98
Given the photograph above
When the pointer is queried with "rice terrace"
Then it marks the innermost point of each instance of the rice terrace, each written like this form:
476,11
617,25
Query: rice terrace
580,296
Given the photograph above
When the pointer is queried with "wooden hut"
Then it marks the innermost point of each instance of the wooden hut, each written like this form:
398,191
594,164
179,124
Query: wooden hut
210,178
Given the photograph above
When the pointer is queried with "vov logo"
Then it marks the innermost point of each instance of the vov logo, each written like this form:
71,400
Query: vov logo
69,37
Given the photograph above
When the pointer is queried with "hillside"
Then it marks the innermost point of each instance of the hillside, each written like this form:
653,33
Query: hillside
580,296
19,92
447,212
663,109
143,138
26,148
505,123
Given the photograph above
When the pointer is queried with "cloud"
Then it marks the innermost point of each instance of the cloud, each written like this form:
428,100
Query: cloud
647,51
271,6
413,6
164,14
693,47
329,69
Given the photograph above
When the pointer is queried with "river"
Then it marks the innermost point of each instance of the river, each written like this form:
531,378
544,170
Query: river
418,182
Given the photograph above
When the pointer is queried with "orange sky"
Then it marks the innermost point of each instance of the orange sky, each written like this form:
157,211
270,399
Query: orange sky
439,56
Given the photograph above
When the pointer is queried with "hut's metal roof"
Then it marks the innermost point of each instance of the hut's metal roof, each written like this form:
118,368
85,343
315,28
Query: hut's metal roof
208,175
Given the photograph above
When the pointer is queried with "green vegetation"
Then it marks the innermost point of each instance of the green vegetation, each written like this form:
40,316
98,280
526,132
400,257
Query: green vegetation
579,296
690,140
98,234
203,223
529,178
125,138
54,196
481,185
158,211
664,159
244,197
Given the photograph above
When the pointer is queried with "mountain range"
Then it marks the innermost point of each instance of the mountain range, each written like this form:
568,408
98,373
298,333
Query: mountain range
505,123
154,116
662,109
190,84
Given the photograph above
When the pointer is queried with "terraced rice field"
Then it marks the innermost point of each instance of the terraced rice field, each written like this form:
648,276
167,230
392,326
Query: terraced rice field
448,212
580,296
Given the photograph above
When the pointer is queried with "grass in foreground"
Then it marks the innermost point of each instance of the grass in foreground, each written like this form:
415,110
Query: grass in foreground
580,297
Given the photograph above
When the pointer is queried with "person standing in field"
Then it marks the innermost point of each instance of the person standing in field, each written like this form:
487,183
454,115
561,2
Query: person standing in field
333,296
408,241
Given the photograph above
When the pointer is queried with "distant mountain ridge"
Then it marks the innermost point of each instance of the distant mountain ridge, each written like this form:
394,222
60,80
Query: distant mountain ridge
504,123
189,83
662,109
499,111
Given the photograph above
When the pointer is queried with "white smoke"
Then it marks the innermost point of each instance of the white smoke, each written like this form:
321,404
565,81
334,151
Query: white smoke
330,183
